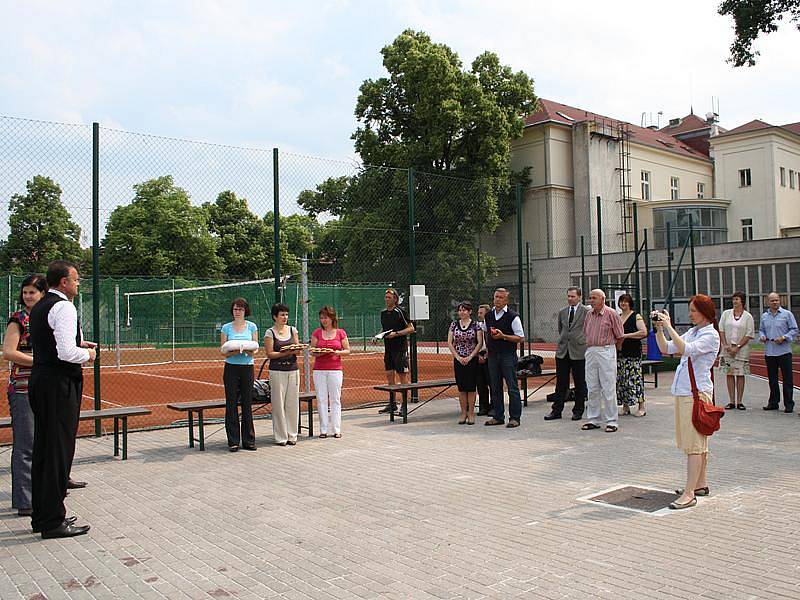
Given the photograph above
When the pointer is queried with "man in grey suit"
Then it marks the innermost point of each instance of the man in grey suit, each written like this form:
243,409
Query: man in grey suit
570,356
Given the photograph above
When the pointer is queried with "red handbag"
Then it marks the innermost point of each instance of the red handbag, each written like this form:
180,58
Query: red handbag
705,415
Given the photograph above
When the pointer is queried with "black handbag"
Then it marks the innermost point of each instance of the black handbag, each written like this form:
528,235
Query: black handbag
261,389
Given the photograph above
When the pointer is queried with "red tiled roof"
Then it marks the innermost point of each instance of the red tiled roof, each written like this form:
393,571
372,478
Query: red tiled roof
690,122
753,125
793,127
548,110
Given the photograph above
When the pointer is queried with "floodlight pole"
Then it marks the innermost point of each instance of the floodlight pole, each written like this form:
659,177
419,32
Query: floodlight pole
96,266
276,227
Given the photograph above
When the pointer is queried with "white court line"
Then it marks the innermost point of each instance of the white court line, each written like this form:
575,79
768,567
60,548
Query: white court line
173,378
103,401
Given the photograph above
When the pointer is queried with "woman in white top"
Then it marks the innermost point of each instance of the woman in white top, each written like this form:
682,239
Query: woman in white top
701,344
736,329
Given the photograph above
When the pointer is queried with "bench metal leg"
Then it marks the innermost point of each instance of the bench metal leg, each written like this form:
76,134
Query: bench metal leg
124,438
525,392
202,435
116,436
404,410
191,428
310,419
655,376
392,406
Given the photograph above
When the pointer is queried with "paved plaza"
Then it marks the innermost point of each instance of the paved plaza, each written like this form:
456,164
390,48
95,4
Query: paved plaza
431,509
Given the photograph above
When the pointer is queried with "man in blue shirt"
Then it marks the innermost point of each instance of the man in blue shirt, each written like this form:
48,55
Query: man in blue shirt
778,329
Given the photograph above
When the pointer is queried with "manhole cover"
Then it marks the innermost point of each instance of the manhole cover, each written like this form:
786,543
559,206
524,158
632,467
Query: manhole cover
630,497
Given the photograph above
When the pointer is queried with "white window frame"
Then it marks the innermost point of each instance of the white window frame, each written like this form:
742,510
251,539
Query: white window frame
747,230
791,178
645,180
783,177
675,188
745,178
701,190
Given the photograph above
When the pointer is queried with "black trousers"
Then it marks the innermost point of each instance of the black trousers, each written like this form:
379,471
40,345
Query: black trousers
565,366
238,380
56,405
484,398
784,363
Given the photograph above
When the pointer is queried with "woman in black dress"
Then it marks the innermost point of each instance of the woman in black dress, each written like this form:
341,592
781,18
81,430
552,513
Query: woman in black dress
465,340
630,382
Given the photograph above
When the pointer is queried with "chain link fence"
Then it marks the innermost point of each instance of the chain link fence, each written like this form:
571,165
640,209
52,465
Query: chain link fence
184,227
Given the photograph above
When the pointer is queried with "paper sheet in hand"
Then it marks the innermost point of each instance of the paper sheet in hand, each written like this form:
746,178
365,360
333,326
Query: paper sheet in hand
381,335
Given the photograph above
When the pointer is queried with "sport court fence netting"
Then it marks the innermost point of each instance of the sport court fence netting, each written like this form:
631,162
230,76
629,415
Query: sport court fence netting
183,227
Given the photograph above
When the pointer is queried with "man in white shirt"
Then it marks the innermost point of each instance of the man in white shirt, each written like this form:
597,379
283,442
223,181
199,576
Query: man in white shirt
55,390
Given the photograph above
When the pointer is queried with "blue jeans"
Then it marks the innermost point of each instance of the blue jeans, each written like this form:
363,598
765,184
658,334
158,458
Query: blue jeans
22,451
504,367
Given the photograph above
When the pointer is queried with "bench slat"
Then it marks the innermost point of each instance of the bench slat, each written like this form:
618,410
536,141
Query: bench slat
108,413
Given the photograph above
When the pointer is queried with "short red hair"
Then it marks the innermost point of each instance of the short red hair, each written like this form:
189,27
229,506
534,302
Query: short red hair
705,306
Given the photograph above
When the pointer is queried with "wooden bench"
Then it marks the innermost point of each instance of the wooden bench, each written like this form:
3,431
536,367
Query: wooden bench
118,414
652,366
523,379
404,388
199,406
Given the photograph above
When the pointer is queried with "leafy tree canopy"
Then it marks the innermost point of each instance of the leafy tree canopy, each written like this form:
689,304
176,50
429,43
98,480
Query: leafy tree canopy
160,234
751,19
41,229
241,237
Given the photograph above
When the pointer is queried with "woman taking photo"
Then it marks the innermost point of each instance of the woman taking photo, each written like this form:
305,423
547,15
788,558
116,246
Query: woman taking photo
284,376
328,345
465,340
630,382
17,349
736,329
238,376
701,344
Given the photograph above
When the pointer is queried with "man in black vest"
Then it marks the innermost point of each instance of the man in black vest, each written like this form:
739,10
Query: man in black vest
55,389
505,333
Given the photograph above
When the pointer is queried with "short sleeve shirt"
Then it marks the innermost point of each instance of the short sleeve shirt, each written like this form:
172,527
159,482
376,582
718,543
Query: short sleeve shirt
245,335
394,320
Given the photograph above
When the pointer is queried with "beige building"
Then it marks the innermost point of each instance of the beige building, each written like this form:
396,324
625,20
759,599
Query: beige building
757,167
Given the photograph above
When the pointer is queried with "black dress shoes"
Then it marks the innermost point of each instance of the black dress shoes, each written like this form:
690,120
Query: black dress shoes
552,416
768,407
75,485
577,417
68,521
65,530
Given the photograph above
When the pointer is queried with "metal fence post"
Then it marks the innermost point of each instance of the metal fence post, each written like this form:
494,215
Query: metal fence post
636,255
691,254
519,257
276,227
583,269
96,265
599,246
412,251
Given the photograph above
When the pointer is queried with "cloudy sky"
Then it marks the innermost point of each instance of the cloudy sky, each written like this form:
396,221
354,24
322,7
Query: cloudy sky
283,74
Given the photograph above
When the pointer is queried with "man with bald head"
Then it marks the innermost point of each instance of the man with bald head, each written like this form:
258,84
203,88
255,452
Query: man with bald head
602,328
777,330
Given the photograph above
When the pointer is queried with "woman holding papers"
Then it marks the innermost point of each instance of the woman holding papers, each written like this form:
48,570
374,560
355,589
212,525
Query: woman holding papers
328,344
239,342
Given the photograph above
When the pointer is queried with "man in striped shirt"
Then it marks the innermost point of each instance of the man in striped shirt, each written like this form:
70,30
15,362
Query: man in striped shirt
602,327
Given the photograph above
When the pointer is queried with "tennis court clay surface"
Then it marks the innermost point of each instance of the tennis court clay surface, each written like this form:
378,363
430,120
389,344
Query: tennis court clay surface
198,376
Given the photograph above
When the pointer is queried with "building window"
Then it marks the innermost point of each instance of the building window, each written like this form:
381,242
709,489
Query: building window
709,225
747,230
791,179
674,188
701,190
744,178
645,185
783,177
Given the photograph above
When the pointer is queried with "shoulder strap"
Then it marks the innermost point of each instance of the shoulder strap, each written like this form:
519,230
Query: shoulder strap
695,392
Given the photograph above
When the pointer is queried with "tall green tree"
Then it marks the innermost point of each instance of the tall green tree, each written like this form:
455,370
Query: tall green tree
751,18
454,126
241,237
160,234
41,229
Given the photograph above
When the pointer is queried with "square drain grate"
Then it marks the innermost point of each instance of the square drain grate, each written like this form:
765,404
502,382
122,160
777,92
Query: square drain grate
630,497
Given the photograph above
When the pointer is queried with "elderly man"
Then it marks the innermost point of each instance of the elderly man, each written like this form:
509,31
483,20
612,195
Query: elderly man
570,356
778,329
505,334
602,328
